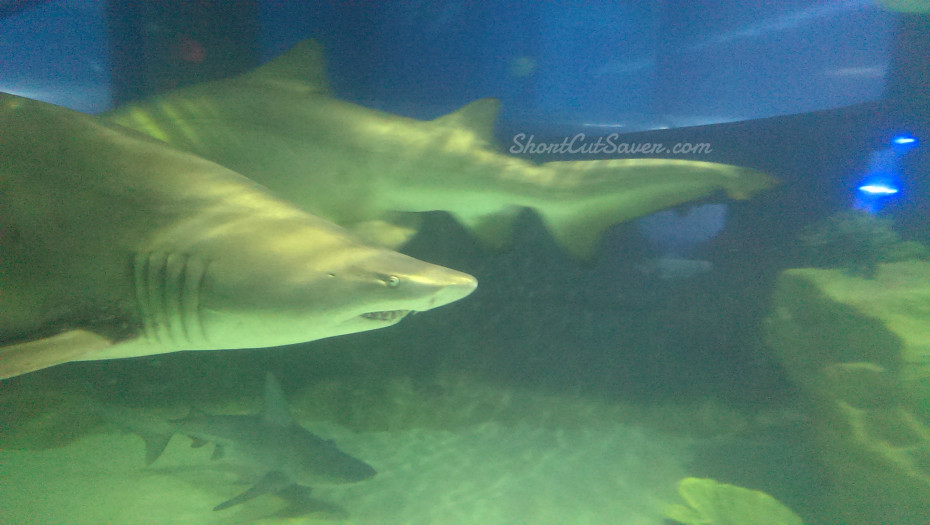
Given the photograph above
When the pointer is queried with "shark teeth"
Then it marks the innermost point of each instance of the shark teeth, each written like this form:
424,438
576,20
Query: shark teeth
386,315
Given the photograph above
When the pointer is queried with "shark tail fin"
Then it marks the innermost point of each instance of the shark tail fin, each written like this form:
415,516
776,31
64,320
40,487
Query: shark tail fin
581,199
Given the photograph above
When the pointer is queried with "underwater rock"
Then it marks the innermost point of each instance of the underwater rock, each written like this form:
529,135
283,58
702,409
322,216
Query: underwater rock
860,348
857,241
862,385
710,502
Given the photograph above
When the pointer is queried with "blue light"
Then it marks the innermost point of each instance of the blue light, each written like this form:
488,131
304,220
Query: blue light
878,189
904,140
881,184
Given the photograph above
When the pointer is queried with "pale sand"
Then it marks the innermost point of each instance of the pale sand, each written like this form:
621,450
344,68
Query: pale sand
486,473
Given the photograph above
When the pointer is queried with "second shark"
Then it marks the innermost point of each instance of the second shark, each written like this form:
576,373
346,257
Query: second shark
360,167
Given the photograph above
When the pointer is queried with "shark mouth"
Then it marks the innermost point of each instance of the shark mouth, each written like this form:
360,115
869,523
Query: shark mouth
386,315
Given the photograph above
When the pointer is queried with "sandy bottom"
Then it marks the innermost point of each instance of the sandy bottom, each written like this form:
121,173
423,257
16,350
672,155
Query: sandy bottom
484,474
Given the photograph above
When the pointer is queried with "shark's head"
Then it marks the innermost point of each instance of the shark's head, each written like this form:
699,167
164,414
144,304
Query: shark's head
388,285
306,458
315,461
289,287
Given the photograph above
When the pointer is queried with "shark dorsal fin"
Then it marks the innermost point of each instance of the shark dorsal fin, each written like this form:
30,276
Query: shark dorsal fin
478,116
275,411
304,66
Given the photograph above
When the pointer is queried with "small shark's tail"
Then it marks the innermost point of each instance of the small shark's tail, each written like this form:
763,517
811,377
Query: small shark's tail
579,200
155,431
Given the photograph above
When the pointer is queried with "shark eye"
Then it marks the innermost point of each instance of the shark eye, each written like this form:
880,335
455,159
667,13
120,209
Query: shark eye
392,281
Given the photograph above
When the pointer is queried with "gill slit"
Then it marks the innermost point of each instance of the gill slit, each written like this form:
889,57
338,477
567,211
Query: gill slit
168,292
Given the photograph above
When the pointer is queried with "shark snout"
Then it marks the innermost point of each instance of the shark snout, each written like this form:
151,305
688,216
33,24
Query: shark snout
451,286
360,471
404,285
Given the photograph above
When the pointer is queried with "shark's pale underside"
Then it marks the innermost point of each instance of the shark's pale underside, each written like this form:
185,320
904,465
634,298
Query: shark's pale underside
360,167
113,244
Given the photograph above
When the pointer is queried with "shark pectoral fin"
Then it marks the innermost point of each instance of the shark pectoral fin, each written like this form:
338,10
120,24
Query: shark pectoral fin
297,496
494,230
478,116
35,355
219,451
390,234
301,503
273,482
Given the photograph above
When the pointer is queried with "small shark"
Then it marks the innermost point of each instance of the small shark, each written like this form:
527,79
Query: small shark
285,457
353,165
113,244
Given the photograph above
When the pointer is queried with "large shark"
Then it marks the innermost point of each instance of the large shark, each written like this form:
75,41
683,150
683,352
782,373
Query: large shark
359,167
113,244
270,446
